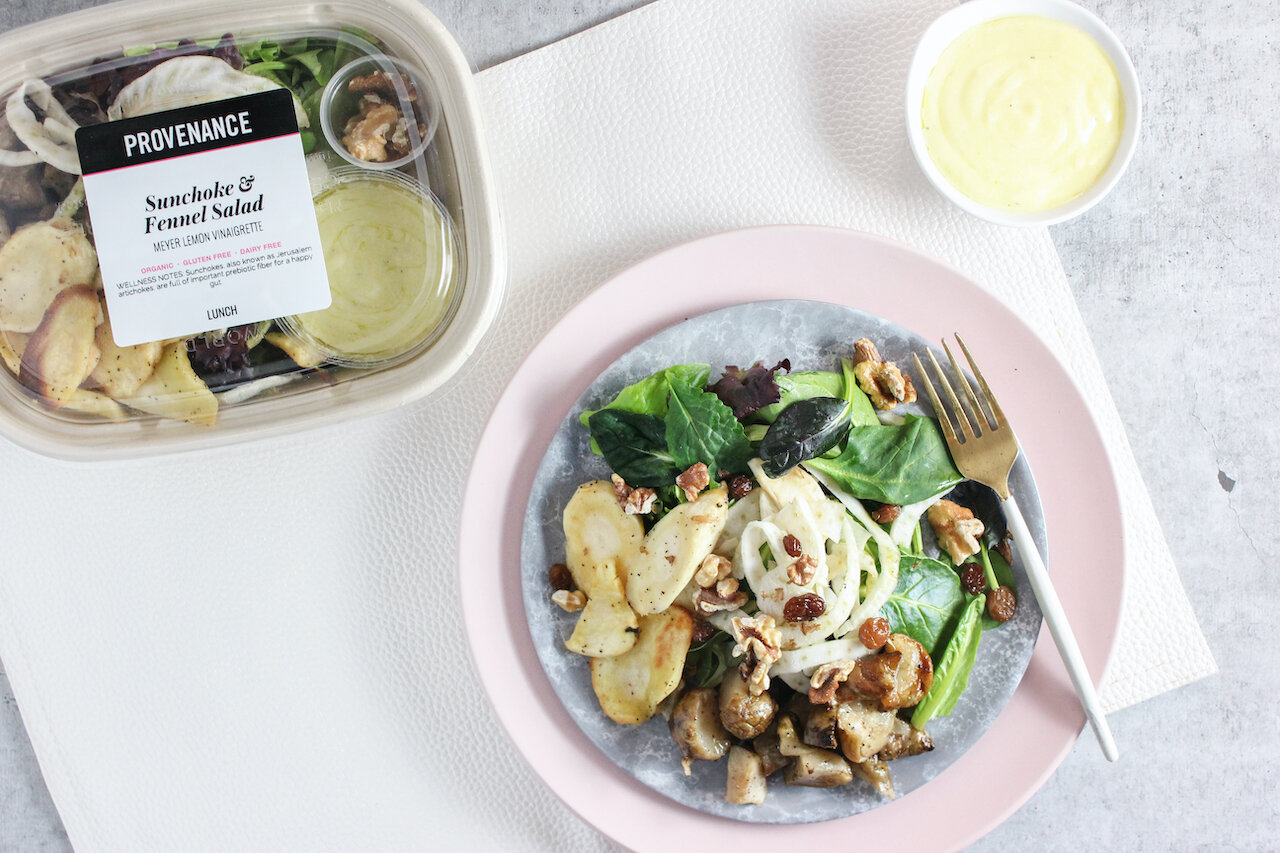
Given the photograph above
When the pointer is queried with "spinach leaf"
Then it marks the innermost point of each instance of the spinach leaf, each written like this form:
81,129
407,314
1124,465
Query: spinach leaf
635,446
893,463
927,602
951,671
804,430
700,428
802,386
861,412
649,395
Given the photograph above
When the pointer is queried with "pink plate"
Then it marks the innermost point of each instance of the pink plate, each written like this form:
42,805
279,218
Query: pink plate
1073,473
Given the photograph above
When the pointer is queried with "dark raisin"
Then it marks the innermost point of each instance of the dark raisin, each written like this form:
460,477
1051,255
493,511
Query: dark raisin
874,633
703,630
885,513
973,578
1001,603
739,486
560,576
804,608
792,545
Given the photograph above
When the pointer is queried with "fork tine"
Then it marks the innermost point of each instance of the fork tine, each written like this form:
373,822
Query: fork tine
961,418
981,420
986,389
943,418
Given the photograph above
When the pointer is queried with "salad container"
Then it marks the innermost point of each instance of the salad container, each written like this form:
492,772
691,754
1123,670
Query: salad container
234,220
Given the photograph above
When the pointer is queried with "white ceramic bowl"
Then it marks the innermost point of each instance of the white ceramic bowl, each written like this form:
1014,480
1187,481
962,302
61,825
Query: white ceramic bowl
952,24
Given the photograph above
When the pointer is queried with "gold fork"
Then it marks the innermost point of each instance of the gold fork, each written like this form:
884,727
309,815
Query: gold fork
984,449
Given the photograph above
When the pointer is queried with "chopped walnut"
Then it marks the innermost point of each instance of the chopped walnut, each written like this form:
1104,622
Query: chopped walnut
827,679
759,644
694,479
620,488
883,382
714,568
382,83
956,529
380,130
640,501
708,601
570,601
727,587
802,570
366,133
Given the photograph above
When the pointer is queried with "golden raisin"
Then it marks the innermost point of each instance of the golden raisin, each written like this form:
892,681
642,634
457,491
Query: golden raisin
560,577
792,545
885,513
874,633
1001,603
804,608
973,578
1005,549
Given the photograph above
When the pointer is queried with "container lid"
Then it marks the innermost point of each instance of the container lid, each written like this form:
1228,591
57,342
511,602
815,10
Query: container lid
253,222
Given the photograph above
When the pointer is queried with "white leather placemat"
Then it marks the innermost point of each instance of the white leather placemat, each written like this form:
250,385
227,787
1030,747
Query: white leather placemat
259,647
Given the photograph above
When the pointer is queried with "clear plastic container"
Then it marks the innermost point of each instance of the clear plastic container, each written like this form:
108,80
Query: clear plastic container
67,388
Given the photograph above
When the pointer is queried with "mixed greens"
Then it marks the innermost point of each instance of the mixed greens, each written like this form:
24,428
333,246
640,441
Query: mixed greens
770,529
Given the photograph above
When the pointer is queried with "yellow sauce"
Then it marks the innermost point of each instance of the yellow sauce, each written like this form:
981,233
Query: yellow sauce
1023,113
390,260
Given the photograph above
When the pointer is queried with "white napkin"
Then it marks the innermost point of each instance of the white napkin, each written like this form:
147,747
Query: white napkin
259,647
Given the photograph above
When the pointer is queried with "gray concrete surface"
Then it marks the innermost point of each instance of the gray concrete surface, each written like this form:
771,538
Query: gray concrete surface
1176,275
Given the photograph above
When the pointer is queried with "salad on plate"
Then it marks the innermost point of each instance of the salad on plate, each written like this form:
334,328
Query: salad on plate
782,576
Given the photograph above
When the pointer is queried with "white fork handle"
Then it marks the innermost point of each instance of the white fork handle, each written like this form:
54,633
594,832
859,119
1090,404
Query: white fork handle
1051,607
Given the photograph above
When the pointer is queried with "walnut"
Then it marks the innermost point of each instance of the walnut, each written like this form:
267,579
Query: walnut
727,587
714,568
640,501
827,679
570,601
802,570
694,479
708,601
883,382
758,643
382,83
365,134
620,488
956,529
380,130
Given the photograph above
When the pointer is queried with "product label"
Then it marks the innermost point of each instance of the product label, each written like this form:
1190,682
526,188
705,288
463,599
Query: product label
202,218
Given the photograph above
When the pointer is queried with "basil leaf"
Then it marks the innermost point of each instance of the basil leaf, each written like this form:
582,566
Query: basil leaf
927,602
951,670
700,428
634,445
804,430
893,463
